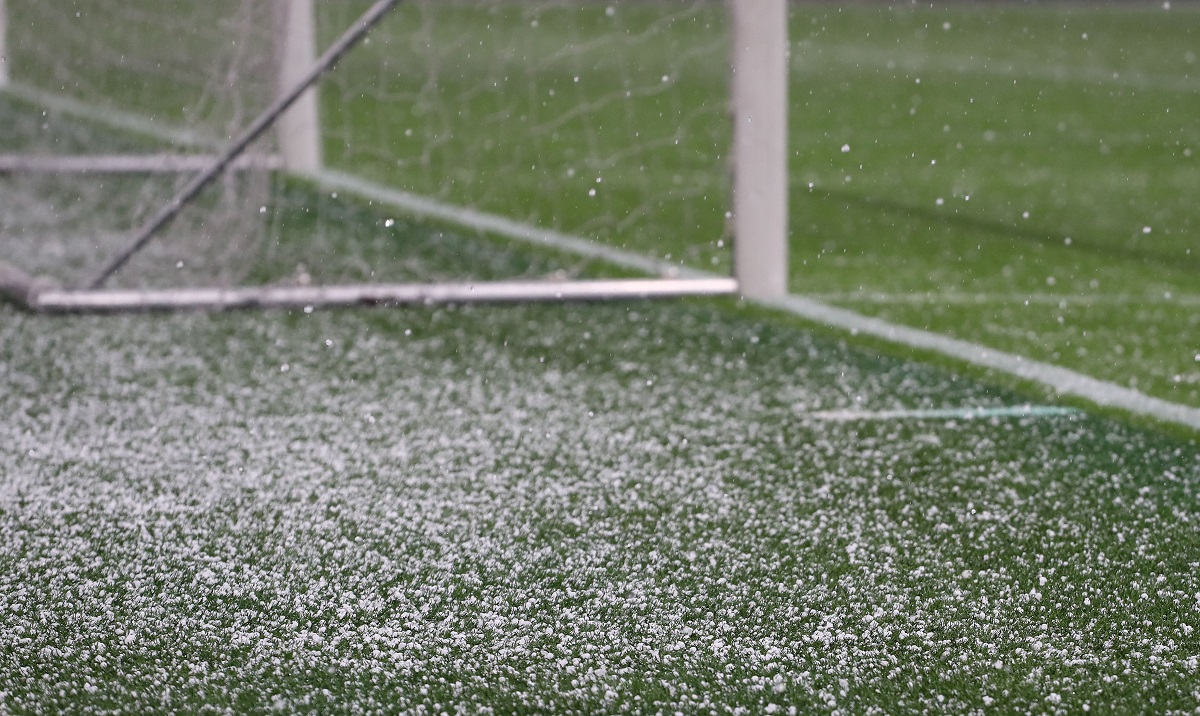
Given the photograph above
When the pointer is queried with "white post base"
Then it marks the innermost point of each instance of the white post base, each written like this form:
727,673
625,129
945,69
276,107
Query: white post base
760,181
4,71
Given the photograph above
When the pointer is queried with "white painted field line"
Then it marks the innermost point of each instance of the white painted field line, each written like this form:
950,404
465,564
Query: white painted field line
117,119
1062,380
968,413
424,207
874,57
924,298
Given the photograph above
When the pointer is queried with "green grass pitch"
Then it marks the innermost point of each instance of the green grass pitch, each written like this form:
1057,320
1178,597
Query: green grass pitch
630,508
1022,177
692,507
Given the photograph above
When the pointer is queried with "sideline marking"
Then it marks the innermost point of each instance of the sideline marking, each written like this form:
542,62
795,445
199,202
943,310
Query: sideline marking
867,57
1062,300
421,207
1062,380
115,118
979,413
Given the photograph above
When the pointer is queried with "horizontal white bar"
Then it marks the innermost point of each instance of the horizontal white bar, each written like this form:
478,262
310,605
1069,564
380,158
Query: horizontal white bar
117,300
124,163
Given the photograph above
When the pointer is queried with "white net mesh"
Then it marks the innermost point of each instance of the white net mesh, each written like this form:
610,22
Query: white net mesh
141,78
605,120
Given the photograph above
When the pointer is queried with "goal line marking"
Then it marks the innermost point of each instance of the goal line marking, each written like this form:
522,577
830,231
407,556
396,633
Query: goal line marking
872,58
1062,300
424,207
968,413
1062,381
115,118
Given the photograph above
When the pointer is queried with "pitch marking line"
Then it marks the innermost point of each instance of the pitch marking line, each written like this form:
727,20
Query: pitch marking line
1061,380
1061,300
873,58
977,413
424,207
115,118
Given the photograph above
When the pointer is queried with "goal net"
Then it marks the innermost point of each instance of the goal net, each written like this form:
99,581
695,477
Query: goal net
523,140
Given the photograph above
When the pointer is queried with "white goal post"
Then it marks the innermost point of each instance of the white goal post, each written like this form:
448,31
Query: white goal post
299,127
3,44
758,86
760,181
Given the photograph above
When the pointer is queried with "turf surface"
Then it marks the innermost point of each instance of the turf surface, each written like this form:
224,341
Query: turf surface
690,506
1042,153
1021,177
567,509
1026,154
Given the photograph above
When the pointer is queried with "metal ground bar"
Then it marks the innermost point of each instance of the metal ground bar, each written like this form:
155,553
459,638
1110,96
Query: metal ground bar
126,163
55,300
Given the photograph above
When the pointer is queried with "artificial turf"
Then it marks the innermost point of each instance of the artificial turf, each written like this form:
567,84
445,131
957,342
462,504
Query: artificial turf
688,506
1042,153
641,507
1019,176
1023,154
692,506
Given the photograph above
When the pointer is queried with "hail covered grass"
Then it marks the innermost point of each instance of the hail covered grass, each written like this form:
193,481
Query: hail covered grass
568,510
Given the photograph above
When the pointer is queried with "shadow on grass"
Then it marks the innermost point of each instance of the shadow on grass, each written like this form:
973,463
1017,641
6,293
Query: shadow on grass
1176,260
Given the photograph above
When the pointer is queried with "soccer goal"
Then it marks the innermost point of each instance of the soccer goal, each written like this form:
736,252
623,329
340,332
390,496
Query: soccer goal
237,153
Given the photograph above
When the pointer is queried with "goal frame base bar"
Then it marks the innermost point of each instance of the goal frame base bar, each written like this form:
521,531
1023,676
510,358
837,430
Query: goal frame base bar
33,295
160,163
